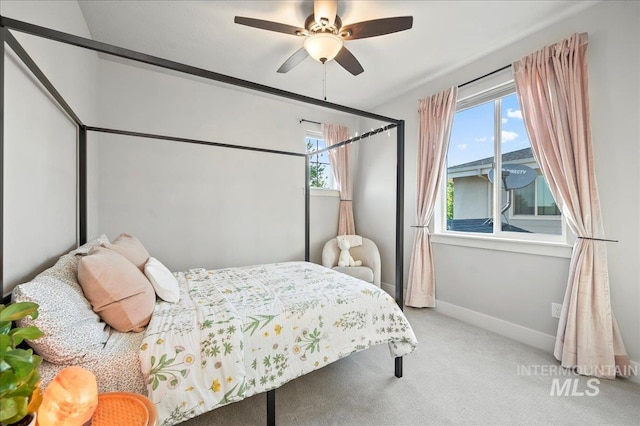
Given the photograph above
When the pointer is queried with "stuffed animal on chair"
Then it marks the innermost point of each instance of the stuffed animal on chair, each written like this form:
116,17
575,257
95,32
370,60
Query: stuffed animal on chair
345,258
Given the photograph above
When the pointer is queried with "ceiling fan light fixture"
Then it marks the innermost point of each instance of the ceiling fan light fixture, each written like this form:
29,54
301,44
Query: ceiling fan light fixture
323,47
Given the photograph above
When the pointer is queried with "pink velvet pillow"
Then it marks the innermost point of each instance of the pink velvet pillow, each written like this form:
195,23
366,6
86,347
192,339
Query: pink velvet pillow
116,289
131,248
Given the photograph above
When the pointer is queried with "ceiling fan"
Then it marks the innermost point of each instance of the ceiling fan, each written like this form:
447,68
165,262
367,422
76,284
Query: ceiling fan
325,35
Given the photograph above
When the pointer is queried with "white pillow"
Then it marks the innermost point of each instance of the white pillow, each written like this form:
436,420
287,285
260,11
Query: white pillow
162,280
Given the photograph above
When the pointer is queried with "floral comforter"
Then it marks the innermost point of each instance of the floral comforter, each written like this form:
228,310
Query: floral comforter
240,331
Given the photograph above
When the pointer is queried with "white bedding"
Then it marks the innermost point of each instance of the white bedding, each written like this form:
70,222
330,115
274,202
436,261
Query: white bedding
241,331
116,365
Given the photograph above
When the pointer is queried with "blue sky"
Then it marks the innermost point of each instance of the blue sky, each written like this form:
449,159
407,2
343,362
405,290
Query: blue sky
472,135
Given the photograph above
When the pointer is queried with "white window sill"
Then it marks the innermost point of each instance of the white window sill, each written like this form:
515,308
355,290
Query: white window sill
534,217
540,248
324,192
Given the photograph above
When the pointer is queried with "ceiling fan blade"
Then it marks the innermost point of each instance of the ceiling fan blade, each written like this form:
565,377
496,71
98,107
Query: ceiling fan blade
270,26
376,27
348,61
327,9
294,60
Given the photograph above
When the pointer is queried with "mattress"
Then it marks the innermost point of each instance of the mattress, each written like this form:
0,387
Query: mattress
241,331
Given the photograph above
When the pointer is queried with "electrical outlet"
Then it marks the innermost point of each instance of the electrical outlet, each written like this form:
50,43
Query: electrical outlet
556,309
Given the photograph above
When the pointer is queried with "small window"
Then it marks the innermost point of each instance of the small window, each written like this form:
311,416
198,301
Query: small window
535,199
488,134
525,200
320,173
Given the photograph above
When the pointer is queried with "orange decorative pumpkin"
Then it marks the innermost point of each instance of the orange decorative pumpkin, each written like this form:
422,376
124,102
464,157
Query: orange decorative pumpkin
70,399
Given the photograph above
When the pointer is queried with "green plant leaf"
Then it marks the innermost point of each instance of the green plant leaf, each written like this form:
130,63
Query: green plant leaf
7,383
34,379
18,367
19,334
23,391
5,343
13,409
8,409
21,361
18,311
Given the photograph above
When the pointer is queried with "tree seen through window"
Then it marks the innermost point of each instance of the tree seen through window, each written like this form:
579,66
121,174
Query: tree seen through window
320,174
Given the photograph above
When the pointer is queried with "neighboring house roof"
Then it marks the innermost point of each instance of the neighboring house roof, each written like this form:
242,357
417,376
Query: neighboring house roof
519,155
478,225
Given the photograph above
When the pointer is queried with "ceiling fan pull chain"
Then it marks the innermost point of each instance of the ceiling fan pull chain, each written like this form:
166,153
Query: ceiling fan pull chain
324,81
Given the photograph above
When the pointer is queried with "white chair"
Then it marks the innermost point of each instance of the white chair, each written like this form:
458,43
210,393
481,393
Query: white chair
368,253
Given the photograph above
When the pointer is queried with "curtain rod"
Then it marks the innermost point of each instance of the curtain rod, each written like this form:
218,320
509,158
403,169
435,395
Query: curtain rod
486,75
353,139
308,121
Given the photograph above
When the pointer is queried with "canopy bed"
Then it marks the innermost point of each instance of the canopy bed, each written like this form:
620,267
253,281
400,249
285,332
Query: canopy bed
300,287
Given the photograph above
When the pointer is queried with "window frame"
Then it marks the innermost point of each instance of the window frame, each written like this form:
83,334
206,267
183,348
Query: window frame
311,134
534,243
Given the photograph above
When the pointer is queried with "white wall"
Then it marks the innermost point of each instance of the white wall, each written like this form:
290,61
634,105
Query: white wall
213,207
199,206
519,288
323,220
40,141
374,196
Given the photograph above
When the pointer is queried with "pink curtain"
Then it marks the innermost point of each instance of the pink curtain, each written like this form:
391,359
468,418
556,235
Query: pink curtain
436,118
339,157
552,86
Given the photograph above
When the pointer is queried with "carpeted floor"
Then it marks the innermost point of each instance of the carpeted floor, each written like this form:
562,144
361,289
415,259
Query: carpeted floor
460,375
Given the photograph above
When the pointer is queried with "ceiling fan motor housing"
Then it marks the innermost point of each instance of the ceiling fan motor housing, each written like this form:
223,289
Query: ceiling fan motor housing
314,27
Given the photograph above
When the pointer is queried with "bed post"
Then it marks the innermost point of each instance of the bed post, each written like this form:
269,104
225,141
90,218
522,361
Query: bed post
82,185
307,208
2,73
271,407
399,228
400,215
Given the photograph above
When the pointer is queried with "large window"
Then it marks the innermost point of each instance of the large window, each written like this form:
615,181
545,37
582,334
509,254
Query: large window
320,173
488,134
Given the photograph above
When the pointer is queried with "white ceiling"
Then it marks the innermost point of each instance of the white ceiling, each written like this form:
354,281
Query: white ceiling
445,35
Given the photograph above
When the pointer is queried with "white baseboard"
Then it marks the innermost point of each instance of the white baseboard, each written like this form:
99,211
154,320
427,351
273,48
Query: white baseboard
517,332
389,288
545,342
635,366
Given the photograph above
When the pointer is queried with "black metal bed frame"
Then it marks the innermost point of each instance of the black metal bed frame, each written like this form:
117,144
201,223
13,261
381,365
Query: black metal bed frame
6,37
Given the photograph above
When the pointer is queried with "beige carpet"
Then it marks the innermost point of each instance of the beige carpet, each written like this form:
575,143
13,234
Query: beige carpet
459,374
